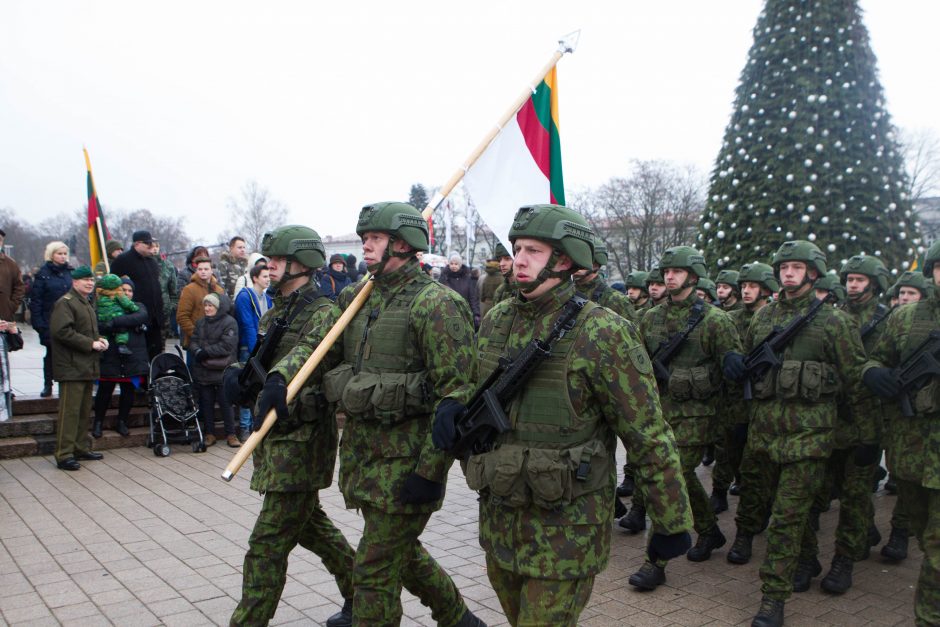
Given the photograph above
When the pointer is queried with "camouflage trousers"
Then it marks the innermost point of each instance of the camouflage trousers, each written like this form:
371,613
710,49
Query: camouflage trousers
727,460
899,516
390,556
286,520
756,493
702,513
923,507
531,602
795,486
856,511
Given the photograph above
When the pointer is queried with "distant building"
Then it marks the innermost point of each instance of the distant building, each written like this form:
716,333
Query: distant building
927,211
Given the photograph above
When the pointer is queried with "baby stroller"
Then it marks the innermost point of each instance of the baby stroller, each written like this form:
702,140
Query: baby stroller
173,412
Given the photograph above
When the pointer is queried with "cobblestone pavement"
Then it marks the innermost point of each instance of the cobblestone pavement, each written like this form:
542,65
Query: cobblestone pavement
140,540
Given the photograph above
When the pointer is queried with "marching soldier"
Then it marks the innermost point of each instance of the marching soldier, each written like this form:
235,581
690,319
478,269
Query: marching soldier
694,378
296,458
917,471
546,487
793,411
408,347
591,286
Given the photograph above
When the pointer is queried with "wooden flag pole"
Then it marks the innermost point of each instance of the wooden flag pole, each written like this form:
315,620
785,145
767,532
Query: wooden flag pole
293,388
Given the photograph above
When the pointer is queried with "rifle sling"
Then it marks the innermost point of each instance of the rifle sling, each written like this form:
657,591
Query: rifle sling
881,313
698,314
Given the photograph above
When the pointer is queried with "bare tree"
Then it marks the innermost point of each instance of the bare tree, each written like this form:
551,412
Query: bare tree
169,231
256,212
920,150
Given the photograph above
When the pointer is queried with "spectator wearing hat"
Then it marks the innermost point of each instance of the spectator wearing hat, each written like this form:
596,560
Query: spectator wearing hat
112,248
126,370
457,277
190,308
335,278
211,350
139,265
12,289
52,282
76,347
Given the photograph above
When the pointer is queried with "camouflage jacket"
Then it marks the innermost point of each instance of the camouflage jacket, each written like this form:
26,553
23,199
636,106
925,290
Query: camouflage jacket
737,306
229,269
375,458
734,409
602,294
914,441
503,292
608,372
793,413
300,455
696,371
168,286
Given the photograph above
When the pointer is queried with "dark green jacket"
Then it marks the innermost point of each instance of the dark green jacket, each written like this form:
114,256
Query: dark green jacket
73,329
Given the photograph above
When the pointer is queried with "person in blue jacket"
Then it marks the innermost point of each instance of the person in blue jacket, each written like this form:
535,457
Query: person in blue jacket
52,282
335,277
250,304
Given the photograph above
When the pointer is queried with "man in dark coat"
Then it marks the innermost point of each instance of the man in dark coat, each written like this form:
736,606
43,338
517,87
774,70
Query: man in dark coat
457,277
139,265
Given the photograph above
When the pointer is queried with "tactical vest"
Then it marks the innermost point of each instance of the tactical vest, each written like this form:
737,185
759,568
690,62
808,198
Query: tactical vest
552,455
383,376
802,376
693,374
926,400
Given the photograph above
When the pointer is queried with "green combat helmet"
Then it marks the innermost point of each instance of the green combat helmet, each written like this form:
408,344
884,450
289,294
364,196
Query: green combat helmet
708,286
564,229
638,279
600,253
655,276
911,279
800,250
729,277
296,243
401,221
499,251
932,256
830,282
684,258
872,267
759,273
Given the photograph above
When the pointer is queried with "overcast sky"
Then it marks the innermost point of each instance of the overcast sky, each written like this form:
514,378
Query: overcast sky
333,105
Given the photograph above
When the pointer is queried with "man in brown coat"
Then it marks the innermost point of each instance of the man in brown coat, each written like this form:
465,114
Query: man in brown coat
190,308
12,289
75,353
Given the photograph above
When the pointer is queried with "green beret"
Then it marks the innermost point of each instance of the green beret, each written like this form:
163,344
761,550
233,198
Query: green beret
82,272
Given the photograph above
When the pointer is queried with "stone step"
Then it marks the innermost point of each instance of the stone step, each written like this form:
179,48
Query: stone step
44,424
26,405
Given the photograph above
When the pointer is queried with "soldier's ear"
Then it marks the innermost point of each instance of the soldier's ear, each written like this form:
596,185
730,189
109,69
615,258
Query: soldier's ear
564,263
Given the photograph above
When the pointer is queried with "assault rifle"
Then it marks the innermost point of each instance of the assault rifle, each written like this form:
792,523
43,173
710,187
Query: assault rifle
251,377
881,312
766,356
669,347
916,371
485,417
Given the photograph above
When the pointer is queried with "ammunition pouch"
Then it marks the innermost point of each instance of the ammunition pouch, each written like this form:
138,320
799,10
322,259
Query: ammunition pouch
808,381
390,397
927,398
697,383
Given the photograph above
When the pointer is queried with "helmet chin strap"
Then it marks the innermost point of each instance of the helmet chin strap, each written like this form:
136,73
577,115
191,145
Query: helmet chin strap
544,274
685,284
868,290
388,253
290,277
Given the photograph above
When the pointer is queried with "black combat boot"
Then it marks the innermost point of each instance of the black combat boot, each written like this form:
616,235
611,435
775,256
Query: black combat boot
709,457
96,428
469,619
342,618
891,486
735,489
896,548
874,536
718,501
770,613
706,543
839,577
635,520
740,552
649,577
627,487
805,571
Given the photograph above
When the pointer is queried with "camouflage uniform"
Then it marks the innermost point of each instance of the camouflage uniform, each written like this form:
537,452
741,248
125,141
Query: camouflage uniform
171,295
695,378
230,268
733,412
917,470
792,422
599,292
384,441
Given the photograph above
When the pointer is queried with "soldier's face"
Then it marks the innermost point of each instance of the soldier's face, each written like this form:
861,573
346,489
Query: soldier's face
936,274
505,264
792,273
855,284
531,257
724,292
634,293
750,292
908,295
675,277
657,290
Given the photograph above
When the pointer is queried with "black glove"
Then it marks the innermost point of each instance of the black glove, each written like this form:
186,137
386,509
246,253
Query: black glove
273,394
733,366
882,382
200,355
444,432
867,455
666,547
739,434
418,490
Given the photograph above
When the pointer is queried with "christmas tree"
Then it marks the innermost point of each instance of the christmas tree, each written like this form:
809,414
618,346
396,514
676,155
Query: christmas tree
810,151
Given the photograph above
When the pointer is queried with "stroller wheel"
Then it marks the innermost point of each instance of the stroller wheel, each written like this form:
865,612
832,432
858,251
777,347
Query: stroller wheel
157,450
197,447
164,450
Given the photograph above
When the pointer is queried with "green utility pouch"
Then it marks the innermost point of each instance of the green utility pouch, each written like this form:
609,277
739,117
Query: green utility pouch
334,382
926,399
680,384
549,478
788,380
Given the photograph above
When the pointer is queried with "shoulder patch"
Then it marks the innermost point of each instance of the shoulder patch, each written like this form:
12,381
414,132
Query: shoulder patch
456,329
639,358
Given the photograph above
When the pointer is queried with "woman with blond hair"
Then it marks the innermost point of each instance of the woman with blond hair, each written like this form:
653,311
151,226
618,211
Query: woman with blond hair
53,281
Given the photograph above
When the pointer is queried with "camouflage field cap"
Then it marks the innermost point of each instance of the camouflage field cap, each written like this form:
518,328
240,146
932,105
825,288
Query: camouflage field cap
395,218
560,226
295,242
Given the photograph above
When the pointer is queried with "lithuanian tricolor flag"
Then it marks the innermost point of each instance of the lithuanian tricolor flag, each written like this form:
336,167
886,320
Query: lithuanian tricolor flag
522,165
97,229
